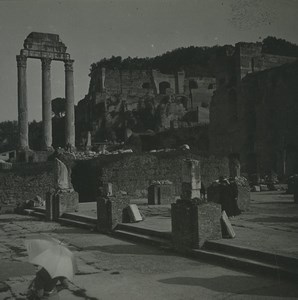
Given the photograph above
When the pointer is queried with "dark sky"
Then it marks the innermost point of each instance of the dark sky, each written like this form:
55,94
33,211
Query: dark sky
93,30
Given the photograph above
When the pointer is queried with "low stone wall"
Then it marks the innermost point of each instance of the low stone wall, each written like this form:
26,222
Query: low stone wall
24,182
134,173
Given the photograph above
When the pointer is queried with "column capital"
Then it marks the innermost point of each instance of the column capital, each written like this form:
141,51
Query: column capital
46,63
68,64
22,61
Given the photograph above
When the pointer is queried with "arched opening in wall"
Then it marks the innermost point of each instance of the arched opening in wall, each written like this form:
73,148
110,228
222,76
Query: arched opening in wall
163,86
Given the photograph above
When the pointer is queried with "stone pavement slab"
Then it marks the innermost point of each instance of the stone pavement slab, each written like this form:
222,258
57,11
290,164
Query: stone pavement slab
115,269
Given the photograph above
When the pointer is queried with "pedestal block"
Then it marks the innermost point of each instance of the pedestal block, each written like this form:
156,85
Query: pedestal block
191,180
50,213
110,211
193,224
64,201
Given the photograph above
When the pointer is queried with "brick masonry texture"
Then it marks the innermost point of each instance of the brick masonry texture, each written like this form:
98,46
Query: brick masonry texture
134,173
193,224
253,112
24,182
110,211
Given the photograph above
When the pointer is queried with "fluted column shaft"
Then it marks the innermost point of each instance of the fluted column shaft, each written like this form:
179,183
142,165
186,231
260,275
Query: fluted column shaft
69,97
22,103
46,104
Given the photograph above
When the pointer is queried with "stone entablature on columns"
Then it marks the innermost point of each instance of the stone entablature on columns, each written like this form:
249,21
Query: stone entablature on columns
22,102
47,47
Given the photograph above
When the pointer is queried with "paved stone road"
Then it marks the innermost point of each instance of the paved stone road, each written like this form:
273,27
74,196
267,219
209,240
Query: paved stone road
114,269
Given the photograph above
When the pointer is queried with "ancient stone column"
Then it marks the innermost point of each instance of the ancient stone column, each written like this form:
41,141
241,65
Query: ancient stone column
69,96
22,102
46,104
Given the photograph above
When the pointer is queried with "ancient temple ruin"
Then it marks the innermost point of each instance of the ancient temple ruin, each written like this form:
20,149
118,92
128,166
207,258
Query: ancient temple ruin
46,47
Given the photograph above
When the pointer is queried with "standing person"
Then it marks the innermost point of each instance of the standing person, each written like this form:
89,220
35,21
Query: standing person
43,287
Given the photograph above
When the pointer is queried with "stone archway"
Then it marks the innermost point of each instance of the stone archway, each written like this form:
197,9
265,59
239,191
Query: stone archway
46,47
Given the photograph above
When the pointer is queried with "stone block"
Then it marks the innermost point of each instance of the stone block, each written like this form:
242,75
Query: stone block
134,213
188,193
193,224
62,175
227,228
65,201
243,193
153,194
161,194
191,173
264,188
256,188
167,194
110,211
50,213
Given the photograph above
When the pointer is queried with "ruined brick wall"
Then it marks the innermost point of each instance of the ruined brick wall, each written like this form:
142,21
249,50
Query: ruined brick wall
24,182
264,133
250,59
223,126
133,173
196,137
201,90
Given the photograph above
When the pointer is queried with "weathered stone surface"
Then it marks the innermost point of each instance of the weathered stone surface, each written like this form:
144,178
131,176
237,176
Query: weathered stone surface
46,47
194,224
24,181
65,201
133,172
110,211
249,113
161,194
62,175
243,193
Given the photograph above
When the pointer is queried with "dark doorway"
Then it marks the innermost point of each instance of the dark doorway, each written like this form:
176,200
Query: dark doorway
163,86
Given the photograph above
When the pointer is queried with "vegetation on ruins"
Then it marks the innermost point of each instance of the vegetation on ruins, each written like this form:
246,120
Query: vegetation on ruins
195,61
273,45
9,130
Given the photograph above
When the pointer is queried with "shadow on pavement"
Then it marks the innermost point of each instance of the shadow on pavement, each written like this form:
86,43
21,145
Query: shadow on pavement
127,249
275,219
244,285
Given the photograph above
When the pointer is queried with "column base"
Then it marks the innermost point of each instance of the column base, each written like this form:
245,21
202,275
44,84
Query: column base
70,148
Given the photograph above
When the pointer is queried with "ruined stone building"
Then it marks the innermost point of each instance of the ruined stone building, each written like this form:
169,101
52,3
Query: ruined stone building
142,100
253,113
